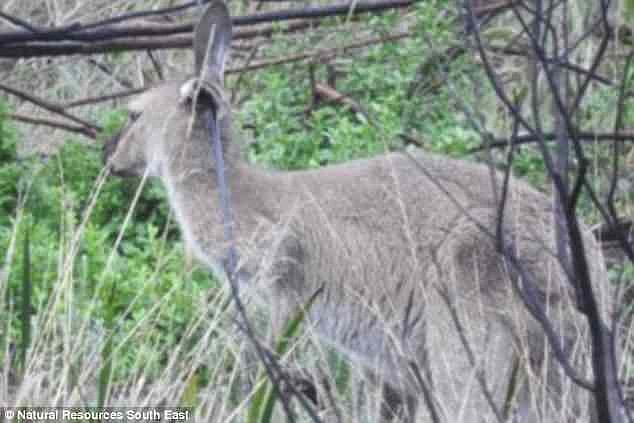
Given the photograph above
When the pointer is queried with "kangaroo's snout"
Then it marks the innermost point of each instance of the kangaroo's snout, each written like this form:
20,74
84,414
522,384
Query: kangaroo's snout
120,162
110,146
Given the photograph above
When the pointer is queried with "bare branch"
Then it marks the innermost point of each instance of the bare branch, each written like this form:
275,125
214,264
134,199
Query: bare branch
18,22
77,129
103,98
79,32
332,95
582,136
544,35
51,107
179,41
110,35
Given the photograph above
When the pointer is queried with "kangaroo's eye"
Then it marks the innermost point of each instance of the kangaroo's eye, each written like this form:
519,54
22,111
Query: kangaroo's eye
134,116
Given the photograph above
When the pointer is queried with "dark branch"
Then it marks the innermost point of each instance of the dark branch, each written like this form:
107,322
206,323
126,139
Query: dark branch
103,98
77,129
180,41
51,107
531,138
79,33
18,22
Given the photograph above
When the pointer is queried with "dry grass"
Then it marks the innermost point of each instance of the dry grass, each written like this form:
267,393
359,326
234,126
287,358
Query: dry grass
64,363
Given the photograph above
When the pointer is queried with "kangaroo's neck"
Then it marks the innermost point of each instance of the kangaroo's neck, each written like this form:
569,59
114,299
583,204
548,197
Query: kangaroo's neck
255,191
256,199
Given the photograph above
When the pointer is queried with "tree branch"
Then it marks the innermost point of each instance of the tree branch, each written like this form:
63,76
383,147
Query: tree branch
82,130
103,98
51,107
79,33
179,41
532,138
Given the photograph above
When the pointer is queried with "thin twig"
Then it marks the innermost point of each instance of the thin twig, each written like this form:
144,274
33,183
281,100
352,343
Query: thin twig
618,126
332,95
77,129
103,98
156,64
531,138
320,53
108,71
18,22
51,107
238,82
146,14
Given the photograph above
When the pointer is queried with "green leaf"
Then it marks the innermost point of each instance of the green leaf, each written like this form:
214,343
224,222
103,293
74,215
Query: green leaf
628,7
264,399
190,393
25,316
105,372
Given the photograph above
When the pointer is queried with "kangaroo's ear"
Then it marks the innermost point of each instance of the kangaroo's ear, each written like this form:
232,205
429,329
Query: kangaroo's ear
212,39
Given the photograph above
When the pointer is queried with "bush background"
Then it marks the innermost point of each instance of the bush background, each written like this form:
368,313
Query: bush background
116,313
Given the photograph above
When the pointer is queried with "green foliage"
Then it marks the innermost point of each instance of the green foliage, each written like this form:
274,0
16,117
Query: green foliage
105,371
341,371
380,81
146,273
265,397
528,163
629,11
190,393
9,166
113,121
25,315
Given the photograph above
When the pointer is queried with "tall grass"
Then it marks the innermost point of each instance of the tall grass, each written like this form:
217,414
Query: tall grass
97,306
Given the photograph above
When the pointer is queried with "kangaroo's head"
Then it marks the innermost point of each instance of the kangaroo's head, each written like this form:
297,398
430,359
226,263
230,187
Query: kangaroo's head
171,119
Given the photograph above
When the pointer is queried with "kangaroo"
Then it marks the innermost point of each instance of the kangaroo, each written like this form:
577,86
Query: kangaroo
414,288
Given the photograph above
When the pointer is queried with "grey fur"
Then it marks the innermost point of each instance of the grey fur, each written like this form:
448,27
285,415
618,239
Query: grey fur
402,265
